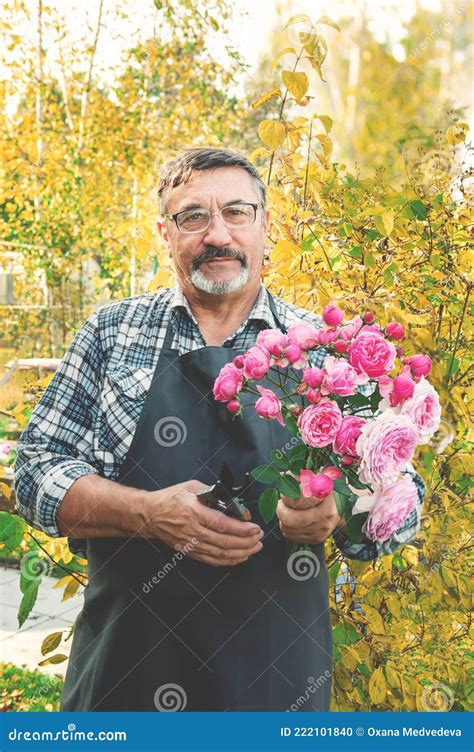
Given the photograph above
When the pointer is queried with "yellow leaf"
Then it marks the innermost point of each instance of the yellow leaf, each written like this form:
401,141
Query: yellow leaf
51,642
298,18
266,97
328,21
58,658
6,490
374,619
410,554
71,589
282,53
326,143
457,133
387,219
283,250
296,83
272,133
377,687
326,121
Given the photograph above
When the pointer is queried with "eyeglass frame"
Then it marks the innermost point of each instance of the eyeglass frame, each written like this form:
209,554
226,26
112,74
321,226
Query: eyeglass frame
175,216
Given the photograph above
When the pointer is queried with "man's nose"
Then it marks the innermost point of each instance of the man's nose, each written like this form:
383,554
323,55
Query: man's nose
217,233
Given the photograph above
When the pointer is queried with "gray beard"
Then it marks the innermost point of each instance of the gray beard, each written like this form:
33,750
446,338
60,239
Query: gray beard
201,282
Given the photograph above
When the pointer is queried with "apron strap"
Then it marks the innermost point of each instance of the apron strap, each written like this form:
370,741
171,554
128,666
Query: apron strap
168,340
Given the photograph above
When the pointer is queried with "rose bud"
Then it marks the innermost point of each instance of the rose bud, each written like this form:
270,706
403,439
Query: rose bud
347,460
395,330
403,388
340,346
296,410
313,395
293,353
420,365
332,315
314,377
321,485
233,406
368,317
238,361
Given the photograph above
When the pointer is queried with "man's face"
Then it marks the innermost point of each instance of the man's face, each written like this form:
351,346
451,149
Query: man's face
220,259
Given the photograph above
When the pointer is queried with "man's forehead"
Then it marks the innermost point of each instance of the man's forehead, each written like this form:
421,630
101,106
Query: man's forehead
222,183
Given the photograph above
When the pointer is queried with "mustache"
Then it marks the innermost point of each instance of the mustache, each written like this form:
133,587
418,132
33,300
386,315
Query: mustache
211,252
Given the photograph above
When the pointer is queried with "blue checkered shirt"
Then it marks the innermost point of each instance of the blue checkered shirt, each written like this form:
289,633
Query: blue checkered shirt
86,418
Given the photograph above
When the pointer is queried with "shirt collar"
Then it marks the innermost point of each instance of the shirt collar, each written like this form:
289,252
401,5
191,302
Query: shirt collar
261,310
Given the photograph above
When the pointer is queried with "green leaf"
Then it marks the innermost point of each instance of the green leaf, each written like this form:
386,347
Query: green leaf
289,486
267,504
341,504
28,601
298,458
356,252
279,460
345,634
265,474
341,487
11,529
419,209
353,527
291,425
333,571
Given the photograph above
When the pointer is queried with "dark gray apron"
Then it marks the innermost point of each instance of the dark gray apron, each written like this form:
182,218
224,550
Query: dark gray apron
161,631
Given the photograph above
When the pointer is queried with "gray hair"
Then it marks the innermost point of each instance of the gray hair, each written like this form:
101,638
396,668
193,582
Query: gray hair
179,170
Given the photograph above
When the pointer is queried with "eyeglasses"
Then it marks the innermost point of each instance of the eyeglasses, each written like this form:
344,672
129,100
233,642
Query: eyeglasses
198,220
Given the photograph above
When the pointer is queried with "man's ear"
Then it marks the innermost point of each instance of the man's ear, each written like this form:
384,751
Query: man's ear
162,231
267,219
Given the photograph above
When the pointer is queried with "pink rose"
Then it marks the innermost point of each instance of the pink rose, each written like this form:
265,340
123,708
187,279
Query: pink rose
347,435
256,363
372,354
319,423
420,365
327,336
313,377
228,383
303,334
268,405
385,445
424,410
402,388
332,315
315,484
340,346
395,330
313,395
273,341
341,378
388,508
349,330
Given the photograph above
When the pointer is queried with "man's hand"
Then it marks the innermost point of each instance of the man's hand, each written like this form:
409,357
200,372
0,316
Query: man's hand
177,517
308,520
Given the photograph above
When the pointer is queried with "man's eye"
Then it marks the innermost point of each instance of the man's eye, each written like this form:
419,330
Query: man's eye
194,217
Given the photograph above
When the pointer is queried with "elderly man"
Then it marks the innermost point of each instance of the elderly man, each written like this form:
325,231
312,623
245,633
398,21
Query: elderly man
186,608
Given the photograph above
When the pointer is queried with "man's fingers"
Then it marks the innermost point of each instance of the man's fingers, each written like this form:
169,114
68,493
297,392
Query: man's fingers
221,523
227,542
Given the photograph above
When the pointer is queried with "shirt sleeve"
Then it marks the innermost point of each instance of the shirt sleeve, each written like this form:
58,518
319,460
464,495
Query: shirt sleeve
371,550
55,449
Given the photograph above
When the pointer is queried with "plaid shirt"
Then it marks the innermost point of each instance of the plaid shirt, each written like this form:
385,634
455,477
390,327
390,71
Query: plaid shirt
85,420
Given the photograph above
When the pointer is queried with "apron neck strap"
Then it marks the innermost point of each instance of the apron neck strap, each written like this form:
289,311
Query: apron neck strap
168,341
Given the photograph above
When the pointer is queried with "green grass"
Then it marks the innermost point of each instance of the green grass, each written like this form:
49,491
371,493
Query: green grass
23,690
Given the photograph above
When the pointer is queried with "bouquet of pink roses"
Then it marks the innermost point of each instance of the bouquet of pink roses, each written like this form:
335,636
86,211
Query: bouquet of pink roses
357,420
